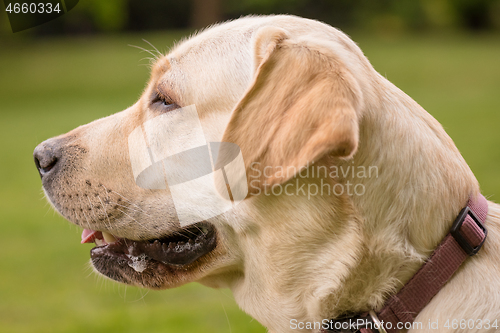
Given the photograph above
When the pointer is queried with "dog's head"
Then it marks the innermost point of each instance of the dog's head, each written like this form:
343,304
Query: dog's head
291,95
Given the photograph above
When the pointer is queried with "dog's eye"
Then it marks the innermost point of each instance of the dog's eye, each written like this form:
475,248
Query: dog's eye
163,102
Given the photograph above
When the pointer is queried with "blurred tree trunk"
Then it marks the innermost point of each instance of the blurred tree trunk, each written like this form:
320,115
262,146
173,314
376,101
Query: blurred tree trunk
205,12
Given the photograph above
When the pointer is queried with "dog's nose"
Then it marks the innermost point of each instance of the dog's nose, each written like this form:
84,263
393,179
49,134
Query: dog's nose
46,157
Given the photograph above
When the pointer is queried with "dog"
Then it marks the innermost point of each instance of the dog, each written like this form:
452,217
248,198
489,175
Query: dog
350,185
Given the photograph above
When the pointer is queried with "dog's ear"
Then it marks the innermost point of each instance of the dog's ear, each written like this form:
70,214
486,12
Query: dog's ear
302,104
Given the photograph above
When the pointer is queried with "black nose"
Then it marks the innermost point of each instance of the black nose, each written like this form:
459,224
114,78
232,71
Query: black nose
46,157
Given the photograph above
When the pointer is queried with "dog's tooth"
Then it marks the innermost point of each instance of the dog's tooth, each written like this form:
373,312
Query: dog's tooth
99,242
171,245
164,247
191,241
109,238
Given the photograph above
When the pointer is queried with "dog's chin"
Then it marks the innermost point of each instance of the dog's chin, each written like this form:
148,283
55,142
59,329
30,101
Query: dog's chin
156,263
169,261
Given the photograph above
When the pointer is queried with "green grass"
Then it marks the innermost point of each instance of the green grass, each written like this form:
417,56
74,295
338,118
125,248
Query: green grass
48,87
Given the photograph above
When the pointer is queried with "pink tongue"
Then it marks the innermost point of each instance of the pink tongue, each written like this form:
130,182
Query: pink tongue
88,236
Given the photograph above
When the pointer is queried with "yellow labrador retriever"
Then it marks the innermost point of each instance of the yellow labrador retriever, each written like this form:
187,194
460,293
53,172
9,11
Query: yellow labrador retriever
349,185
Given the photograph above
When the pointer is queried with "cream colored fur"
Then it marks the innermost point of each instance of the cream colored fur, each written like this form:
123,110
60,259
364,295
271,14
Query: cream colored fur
290,91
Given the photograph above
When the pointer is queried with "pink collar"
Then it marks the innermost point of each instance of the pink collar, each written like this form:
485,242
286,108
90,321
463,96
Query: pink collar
466,237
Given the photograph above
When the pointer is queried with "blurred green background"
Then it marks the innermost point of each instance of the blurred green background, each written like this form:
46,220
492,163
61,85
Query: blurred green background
92,16
80,67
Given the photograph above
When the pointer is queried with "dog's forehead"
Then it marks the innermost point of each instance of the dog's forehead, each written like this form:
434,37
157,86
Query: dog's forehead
217,40
213,51
213,65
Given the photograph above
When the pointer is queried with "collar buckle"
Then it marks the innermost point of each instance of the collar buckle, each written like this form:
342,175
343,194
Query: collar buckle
457,225
376,322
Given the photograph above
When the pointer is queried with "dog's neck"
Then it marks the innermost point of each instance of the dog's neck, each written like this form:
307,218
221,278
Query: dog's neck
371,244
423,180
408,206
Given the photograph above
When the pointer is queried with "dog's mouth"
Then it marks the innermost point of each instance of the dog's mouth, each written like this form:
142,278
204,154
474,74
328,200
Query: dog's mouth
179,249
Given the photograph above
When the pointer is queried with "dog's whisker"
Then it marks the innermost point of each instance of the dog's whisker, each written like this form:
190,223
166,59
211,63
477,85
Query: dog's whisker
144,50
105,212
133,219
140,210
92,208
89,269
48,210
227,317
133,204
150,62
130,209
191,232
154,47
85,215
124,198
124,296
